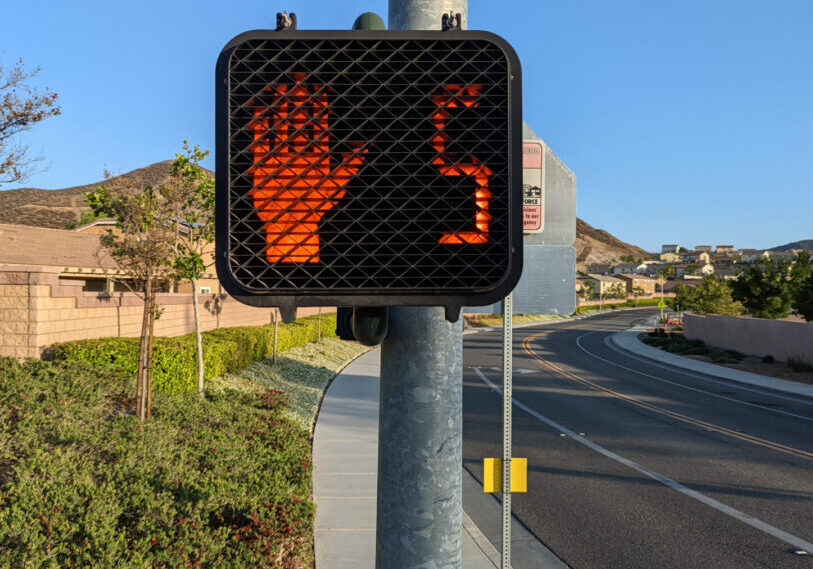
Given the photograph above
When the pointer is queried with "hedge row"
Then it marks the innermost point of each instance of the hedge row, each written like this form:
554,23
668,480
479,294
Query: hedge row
174,359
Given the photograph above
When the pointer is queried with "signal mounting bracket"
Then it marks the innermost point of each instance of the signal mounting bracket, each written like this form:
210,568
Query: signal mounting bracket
285,22
450,22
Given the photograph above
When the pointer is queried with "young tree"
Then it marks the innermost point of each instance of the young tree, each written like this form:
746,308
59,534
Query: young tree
799,272
588,290
801,283
637,290
21,107
803,301
143,248
712,296
765,290
616,290
193,191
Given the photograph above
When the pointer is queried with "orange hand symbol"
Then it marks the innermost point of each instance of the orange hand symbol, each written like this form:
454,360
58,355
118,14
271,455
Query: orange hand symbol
455,96
294,183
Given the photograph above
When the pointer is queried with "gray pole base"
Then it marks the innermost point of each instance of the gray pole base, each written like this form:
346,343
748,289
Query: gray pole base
420,445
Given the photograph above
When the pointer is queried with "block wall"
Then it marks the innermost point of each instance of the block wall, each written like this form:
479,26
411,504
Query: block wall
38,309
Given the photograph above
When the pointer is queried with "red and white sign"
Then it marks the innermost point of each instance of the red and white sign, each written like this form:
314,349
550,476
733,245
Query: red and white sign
533,192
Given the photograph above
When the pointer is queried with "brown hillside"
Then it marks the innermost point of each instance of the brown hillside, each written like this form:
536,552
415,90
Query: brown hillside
595,246
59,209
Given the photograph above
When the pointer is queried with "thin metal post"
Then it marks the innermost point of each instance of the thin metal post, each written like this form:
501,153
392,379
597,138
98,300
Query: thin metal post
276,330
507,394
420,433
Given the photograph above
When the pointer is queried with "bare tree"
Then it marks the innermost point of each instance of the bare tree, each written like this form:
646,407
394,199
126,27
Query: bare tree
21,107
142,245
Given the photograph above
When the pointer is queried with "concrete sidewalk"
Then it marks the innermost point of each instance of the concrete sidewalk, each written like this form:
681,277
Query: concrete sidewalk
628,342
345,459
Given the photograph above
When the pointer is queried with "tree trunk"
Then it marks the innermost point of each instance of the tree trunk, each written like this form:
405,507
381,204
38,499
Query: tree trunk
142,357
148,383
198,336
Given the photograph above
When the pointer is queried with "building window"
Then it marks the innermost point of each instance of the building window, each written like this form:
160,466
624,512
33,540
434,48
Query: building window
206,290
95,285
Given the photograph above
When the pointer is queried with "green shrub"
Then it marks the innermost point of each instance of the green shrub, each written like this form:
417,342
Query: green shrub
697,351
174,359
799,364
220,482
768,359
726,357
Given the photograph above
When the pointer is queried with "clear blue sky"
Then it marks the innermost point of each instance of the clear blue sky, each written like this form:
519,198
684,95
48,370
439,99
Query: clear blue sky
685,122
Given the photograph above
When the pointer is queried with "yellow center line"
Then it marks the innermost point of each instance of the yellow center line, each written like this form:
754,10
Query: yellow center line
526,344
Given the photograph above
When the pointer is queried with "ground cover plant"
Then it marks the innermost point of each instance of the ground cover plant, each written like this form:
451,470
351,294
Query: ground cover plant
221,481
677,343
303,374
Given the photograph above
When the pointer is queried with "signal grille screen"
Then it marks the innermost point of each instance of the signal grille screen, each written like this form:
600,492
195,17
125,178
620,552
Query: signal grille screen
368,165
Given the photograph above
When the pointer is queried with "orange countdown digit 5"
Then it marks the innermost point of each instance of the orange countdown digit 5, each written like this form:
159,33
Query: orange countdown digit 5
450,97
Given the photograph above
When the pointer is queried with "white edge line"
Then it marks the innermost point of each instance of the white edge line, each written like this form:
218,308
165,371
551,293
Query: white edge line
676,384
668,482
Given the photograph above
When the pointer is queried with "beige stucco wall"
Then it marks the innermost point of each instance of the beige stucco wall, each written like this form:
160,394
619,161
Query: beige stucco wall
38,309
753,336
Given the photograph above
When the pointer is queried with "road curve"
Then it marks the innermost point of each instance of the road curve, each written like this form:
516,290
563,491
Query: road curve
633,464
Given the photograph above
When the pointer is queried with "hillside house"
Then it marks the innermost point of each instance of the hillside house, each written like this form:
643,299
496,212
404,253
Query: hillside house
753,256
724,249
723,260
599,268
696,258
627,268
639,282
698,270
727,273
669,257
702,248
786,256
673,248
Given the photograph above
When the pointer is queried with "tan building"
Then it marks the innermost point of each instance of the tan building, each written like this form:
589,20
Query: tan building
696,258
602,284
787,256
640,282
753,256
669,257
724,249
56,286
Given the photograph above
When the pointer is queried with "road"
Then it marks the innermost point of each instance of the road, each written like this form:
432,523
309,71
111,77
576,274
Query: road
634,464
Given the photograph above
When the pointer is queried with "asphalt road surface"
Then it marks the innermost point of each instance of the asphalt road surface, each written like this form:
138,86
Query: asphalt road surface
634,464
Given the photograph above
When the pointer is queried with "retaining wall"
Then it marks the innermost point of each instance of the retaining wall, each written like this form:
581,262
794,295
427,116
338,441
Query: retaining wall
753,336
38,309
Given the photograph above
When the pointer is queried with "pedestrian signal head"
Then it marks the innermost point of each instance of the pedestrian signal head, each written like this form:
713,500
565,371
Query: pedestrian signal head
368,168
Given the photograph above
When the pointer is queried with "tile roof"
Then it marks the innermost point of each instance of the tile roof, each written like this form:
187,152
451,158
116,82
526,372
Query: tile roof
28,245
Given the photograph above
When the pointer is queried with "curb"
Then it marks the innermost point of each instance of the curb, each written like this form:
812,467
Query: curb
628,342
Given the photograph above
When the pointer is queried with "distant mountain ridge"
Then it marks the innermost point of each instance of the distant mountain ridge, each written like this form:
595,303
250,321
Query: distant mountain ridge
806,244
60,209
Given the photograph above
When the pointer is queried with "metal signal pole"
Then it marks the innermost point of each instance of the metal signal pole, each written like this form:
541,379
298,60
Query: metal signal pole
420,433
